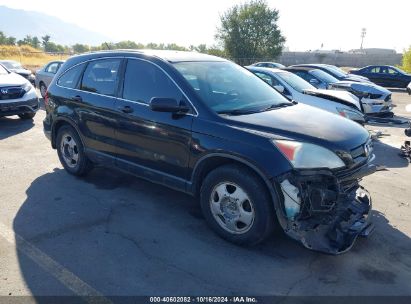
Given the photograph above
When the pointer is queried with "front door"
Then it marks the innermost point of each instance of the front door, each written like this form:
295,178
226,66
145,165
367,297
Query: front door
153,145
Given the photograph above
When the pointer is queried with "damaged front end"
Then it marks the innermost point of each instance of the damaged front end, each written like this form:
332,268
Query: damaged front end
326,211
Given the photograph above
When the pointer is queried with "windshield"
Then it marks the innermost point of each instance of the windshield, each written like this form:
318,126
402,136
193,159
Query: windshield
296,82
12,64
2,70
323,76
337,71
226,87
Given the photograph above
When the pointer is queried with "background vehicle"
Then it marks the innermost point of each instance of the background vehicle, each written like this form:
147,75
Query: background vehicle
374,99
385,75
16,67
17,95
334,71
208,127
296,88
46,74
409,88
273,65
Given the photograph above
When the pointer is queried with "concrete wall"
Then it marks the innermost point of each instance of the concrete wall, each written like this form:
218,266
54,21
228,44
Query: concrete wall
340,59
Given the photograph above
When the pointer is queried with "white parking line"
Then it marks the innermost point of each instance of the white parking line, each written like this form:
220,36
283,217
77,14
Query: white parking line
64,276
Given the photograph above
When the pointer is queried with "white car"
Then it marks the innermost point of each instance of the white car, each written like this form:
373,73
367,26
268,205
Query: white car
338,102
17,95
409,88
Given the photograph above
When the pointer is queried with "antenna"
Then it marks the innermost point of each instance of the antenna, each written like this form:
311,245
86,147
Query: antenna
108,47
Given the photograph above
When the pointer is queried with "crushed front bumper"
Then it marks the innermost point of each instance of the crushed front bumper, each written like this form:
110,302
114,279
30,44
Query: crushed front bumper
324,211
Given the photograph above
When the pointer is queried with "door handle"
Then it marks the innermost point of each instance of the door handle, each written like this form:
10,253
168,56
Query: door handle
126,109
77,98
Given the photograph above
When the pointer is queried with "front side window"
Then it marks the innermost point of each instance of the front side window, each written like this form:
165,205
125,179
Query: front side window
392,71
101,76
52,68
71,77
144,80
226,87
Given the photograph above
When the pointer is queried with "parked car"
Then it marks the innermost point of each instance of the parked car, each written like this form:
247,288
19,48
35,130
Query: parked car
16,67
208,127
385,75
294,87
374,100
409,88
17,95
46,74
335,72
273,65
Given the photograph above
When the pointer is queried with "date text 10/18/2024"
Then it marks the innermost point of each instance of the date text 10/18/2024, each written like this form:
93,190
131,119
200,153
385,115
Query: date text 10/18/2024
203,300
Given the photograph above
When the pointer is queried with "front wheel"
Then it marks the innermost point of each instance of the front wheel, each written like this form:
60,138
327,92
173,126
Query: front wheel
71,152
237,205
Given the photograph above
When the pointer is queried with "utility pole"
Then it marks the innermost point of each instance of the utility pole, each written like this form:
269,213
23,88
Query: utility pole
363,33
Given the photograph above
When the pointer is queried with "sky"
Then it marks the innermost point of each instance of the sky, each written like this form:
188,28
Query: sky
306,24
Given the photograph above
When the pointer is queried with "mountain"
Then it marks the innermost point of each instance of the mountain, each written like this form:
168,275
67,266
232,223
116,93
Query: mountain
19,23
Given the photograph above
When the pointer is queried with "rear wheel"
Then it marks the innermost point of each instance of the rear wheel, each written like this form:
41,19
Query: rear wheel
27,115
71,152
237,205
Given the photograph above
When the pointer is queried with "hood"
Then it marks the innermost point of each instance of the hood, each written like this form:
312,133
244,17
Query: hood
342,97
362,87
12,79
308,124
20,71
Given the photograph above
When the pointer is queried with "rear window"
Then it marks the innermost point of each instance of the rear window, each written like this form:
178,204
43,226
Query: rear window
101,76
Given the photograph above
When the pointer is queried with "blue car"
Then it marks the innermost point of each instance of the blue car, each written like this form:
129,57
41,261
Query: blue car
385,75
334,71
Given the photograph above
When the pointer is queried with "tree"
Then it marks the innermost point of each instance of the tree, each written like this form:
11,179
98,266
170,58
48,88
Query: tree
80,48
250,31
406,60
45,41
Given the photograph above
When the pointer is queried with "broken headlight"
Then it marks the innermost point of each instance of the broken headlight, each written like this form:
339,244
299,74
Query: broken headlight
308,156
27,87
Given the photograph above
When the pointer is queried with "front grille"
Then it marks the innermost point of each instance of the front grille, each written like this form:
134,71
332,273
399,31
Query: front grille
388,98
7,93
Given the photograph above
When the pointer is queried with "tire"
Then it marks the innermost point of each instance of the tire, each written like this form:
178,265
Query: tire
43,89
243,220
70,151
27,115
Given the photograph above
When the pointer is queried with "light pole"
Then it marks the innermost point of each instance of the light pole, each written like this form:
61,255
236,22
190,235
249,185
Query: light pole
363,33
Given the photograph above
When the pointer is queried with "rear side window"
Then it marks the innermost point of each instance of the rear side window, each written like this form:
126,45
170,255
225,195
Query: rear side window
70,78
101,76
143,81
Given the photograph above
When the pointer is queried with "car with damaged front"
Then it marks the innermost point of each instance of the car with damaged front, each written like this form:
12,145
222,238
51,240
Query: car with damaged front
16,67
374,99
205,126
295,88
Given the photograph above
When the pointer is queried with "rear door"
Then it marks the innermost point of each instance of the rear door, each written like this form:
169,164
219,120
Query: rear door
153,145
96,99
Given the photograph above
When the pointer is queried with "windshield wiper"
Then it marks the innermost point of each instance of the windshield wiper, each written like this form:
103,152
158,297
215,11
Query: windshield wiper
237,112
276,106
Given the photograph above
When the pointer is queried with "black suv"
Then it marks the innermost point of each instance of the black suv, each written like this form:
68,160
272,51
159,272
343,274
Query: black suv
208,127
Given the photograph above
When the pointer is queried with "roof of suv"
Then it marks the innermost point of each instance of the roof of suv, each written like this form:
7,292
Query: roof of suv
167,55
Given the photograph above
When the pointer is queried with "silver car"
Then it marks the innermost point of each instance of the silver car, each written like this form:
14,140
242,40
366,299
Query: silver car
46,74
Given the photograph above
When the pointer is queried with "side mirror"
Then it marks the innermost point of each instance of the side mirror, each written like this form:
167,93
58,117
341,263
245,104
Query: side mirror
279,88
169,105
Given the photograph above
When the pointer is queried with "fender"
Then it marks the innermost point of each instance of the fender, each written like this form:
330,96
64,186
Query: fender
69,121
268,182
